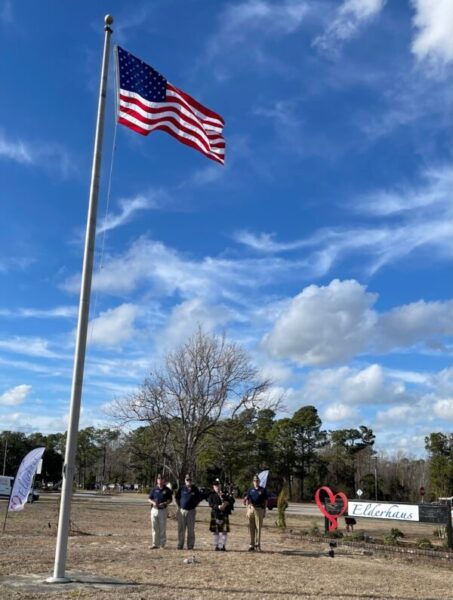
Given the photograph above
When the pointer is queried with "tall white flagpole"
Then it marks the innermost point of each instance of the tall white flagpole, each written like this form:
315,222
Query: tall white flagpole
82,327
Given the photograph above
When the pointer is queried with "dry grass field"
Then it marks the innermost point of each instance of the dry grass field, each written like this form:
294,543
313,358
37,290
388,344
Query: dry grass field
112,539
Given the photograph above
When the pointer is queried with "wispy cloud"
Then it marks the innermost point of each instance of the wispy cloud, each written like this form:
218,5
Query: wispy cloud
253,22
150,200
13,263
433,39
15,150
350,18
424,224
6,12
113,327
16,395
45,155
29,346
59,312
169,272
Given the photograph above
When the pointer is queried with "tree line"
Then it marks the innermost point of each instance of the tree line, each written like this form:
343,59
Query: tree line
206,411
299,454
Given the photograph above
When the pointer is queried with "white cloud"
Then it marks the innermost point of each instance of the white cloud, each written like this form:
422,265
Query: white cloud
339,412
276,372
350,18
49,156
114,326
15,395
130,206
168,272
16,150
349,386
402,415
444,409
29,346
323,324
331,324
59,312
249,24
424,225
442,382
433,194
28,422
263,17
186,317
417,322
6,12
433,40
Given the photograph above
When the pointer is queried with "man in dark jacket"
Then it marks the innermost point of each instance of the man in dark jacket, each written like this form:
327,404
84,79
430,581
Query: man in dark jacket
159,498
187,498
256,501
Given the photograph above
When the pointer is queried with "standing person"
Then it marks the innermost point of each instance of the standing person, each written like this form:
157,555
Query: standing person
187,498
256,500
159,498
221,505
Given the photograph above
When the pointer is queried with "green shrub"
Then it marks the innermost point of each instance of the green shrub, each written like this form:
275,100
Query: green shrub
282,504
314,531
358,536
391,539
397,533
424,543
334,534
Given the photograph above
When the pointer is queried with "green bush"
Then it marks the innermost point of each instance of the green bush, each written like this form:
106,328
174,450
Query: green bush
314,531
334,534
282,504
358,536
424,543
391,539
397,533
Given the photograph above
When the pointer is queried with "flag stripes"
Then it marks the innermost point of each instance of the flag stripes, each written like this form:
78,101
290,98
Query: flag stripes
178,114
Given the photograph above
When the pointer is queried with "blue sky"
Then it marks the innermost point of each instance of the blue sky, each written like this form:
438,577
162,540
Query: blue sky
324,245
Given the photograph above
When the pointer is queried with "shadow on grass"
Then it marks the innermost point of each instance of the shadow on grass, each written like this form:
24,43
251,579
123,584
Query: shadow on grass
230,592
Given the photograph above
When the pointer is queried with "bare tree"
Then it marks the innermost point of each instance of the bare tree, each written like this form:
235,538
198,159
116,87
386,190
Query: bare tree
204,380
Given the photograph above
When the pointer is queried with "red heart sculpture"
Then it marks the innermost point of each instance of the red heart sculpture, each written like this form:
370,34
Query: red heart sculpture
332,500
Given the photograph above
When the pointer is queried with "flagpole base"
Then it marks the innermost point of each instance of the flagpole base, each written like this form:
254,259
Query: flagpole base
58,580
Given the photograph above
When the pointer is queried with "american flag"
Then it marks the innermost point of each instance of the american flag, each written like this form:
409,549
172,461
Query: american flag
147,101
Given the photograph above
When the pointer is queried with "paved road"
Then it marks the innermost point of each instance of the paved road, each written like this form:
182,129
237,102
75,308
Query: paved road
131,498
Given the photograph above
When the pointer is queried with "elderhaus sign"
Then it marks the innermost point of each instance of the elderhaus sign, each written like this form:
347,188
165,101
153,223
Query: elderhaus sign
383,510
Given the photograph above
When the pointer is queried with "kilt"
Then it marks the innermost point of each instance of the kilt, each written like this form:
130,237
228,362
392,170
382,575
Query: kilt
217,527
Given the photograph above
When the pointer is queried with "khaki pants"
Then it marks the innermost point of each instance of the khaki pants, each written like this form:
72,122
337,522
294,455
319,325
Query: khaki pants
255,517
159,526
186,521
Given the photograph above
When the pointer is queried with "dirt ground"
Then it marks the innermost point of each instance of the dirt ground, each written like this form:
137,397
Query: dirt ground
112,540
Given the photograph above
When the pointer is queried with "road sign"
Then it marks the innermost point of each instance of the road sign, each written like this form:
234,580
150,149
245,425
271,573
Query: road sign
359,492
422,491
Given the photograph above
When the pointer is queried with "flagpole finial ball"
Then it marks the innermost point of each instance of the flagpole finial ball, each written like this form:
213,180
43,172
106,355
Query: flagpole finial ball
108,20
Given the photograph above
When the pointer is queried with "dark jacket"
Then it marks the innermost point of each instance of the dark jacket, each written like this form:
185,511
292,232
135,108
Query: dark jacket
161,495
188,499
215,499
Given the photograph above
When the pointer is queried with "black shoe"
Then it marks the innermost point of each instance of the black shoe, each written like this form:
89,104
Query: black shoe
223,549
216,548
251,548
